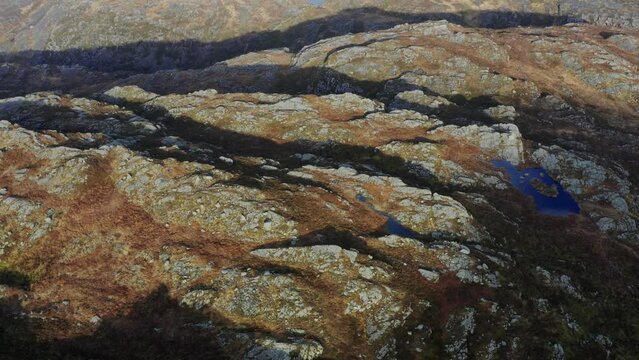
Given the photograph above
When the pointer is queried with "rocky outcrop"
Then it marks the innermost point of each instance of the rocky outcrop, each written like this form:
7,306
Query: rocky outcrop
340,201
596,186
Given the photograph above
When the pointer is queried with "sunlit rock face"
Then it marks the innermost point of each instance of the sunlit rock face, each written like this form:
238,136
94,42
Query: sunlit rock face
344,188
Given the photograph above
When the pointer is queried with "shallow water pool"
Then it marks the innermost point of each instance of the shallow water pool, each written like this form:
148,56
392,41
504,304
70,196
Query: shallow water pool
392,226
550,197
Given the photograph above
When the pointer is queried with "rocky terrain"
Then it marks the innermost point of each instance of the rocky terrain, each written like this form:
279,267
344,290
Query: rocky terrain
66,24
328,194
139,36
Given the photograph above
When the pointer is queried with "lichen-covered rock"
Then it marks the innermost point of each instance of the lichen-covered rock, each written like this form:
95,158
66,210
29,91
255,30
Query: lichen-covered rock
460,327
419,101
333,199
560,282
128,95
45,111
503,140
420,210
345,119
604,187
269,299
200,198
276,299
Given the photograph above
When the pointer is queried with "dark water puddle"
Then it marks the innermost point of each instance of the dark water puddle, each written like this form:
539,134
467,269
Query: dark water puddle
550,197
392,226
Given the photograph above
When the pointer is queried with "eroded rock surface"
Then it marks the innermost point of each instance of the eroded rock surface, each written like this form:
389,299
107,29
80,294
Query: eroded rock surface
340,201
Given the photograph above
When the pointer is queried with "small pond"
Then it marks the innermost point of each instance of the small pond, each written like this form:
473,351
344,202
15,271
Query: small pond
550,197
392,226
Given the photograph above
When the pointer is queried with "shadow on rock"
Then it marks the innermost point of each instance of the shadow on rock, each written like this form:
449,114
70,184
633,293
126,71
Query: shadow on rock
150,56
155,328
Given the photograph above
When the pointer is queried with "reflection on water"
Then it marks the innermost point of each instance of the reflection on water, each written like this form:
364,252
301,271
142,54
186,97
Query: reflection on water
550,197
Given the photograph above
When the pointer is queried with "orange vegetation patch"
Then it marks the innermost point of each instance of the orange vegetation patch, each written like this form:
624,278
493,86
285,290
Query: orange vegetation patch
65,101
21,159
318,210
103,254
280,58
381,133
467,155
331,113
17,158
380,194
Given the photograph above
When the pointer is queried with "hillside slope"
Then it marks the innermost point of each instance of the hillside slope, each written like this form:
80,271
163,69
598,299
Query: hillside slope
426,190
66,24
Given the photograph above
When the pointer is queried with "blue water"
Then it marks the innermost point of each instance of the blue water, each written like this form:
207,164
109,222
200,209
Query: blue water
561,205
392,226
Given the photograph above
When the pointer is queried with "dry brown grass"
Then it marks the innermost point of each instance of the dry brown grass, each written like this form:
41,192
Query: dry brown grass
466,155
17,159
385,133
100,238
555,80
312,215
332,113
